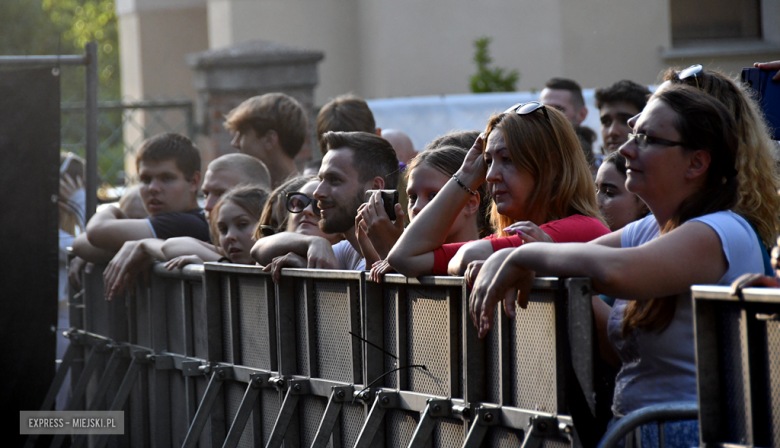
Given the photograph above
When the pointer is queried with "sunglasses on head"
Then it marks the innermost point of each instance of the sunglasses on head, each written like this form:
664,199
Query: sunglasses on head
694,70
297,202
527,108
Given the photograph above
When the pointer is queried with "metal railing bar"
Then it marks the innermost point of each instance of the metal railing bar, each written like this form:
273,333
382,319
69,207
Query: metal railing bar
123,105
43,61
656,413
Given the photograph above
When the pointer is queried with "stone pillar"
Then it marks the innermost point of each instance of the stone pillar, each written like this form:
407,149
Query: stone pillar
226,77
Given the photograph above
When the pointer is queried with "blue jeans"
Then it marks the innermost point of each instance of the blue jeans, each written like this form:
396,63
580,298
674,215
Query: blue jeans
677,434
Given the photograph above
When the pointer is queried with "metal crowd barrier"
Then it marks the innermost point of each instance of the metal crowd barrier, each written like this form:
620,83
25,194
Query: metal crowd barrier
738,366
219,355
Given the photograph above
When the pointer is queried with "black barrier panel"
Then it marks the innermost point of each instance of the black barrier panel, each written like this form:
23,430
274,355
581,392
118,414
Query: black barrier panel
738,365
326,331
29,155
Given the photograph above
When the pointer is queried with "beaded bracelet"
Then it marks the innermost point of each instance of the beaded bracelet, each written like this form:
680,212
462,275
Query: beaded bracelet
472,192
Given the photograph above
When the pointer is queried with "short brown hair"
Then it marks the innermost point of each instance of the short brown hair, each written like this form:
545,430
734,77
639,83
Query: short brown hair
569,85
624,91
170,146
372,155
272,112
345,113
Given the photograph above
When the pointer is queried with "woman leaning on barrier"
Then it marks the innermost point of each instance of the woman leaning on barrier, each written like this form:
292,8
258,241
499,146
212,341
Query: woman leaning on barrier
681,162
541,188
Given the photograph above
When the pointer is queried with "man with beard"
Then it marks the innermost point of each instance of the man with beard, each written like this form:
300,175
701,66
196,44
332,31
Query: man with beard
354,163
617,103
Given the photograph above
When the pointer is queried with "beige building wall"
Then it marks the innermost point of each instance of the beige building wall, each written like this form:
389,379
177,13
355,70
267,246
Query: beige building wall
154,36
378,49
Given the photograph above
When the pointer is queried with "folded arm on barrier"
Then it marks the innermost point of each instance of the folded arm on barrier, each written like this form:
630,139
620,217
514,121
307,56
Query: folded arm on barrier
110,228
185,245
318,251
83,249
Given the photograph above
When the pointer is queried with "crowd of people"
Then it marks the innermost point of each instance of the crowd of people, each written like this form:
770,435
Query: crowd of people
684,191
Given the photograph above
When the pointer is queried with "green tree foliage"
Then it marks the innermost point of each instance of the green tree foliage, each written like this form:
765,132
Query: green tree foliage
490,79
38,27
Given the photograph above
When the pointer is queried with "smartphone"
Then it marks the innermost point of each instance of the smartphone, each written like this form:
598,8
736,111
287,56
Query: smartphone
768,95
389,198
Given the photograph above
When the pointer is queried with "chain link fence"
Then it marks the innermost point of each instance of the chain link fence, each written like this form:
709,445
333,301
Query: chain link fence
122,127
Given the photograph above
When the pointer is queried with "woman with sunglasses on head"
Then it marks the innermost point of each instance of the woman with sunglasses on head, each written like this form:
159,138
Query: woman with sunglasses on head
757,176
541,187
232,222
681,163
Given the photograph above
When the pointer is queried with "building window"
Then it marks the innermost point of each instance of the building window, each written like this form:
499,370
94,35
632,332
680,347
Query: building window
695,22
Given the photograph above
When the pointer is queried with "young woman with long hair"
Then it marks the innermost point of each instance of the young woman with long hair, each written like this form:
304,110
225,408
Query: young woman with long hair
539,181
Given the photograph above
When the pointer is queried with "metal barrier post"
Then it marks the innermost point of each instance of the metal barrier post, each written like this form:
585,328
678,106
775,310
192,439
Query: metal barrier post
250,396
285,415
218,377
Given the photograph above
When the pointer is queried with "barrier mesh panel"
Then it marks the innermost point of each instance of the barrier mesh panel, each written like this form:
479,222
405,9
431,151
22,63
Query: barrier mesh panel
556,442
735,369
493,355
447,433
334,343
137,414
301,328
175,315
390,319
500,437
532,336
199,349
773,378
234,393
139,301
428,328
177,385
310,410
227,338
399,427
269,406
253,322
352,418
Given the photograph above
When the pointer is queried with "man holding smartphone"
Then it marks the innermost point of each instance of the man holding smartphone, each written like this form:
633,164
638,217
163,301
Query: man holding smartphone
354,163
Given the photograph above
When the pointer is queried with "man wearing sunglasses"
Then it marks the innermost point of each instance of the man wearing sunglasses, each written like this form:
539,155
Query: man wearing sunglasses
354,163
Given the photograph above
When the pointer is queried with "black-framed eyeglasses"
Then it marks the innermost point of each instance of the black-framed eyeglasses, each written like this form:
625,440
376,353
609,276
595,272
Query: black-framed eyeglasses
268,230
643,140
694,70
297,203
527,108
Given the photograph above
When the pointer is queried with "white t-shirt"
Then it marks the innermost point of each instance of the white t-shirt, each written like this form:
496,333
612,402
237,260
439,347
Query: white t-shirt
661,367
349,259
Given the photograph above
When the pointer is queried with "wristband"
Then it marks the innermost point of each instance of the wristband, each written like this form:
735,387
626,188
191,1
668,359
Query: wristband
472,192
